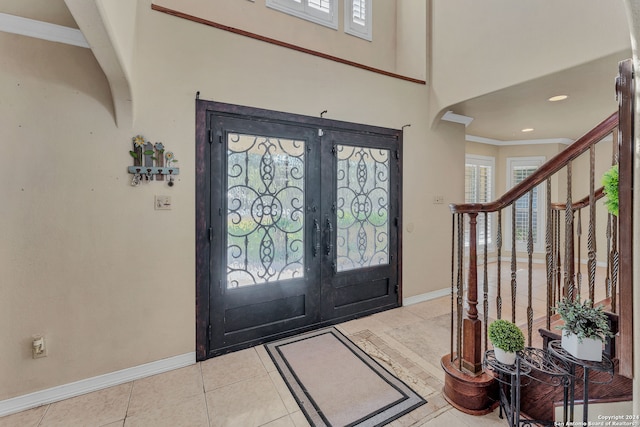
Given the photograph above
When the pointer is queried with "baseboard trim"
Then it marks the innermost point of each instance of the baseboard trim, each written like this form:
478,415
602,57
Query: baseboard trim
426,297
65,391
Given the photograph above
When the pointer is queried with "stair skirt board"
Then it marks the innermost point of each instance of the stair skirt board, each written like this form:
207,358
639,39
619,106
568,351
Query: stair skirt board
65,391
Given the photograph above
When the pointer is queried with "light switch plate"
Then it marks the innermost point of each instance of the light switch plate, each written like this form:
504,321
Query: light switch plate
163,203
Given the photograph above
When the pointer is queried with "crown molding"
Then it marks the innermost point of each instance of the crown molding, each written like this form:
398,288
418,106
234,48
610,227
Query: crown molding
42,30
490,141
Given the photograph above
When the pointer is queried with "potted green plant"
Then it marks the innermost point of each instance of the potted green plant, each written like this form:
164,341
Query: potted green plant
507,339
610,188
585,328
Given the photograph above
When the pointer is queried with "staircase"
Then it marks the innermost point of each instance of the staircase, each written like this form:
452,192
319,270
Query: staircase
574,251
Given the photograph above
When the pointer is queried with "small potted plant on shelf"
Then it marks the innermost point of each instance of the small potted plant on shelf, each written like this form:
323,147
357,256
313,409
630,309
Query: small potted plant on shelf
507,339
585,328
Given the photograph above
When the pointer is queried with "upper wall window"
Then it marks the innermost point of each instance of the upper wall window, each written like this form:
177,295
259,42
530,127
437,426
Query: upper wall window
357,18
357,14
321,12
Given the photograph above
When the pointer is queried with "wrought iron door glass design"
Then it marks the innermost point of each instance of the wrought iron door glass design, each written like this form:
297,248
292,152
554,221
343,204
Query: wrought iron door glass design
265,209
362,208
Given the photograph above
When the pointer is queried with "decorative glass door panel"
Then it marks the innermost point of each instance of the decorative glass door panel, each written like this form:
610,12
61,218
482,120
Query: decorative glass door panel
360,193
362,207
265,209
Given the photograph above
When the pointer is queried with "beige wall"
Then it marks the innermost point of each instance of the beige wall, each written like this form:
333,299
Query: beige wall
87,261
398,44
119,17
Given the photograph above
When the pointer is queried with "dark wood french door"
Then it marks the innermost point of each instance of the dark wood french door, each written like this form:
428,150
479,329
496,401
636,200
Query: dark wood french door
296,223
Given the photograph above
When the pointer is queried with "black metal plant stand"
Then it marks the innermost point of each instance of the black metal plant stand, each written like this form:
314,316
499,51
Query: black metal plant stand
510,378
606,365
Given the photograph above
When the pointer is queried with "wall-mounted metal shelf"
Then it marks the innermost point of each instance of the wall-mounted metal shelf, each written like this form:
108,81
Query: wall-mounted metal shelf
143,170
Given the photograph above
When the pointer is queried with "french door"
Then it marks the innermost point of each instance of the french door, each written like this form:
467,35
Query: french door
296,223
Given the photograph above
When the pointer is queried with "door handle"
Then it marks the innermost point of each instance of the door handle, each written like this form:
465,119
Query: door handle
329,244
316,238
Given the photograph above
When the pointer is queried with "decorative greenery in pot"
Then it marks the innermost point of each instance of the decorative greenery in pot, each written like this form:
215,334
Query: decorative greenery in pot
507,339
585,328
610,187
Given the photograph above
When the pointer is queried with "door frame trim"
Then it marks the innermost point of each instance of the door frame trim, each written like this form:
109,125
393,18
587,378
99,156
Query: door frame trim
202,196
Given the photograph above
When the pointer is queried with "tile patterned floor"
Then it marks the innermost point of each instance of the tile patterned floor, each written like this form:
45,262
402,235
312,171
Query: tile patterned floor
244,389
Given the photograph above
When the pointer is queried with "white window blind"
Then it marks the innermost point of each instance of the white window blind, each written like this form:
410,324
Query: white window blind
357,18
519,169
321,5
359,9
321,12
478,181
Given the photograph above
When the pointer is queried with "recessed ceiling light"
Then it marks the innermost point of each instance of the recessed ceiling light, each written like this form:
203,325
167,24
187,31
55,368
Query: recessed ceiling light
558,98
527,130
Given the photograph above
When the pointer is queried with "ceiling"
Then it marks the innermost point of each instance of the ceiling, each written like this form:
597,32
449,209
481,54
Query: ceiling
503,114
497,117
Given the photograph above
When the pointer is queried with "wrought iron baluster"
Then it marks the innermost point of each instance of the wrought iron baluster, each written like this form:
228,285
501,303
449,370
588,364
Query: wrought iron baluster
499,263
612,238
549,255
558,259
615,256
530,269
607,279
485,284
453,254
569,282
459,289
514,264
591,237
579,246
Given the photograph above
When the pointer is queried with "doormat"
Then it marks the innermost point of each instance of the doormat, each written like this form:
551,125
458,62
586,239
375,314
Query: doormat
337,384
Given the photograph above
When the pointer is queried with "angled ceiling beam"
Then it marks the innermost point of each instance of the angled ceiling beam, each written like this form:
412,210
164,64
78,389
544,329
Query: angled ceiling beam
88,16
42,30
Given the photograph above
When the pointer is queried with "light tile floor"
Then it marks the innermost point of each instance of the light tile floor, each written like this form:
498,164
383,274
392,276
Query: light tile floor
244,389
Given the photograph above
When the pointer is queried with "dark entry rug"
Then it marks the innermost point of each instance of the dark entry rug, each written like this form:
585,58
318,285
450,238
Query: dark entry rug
337,384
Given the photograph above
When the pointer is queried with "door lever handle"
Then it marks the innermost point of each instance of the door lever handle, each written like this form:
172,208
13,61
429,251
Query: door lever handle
329,244
316,238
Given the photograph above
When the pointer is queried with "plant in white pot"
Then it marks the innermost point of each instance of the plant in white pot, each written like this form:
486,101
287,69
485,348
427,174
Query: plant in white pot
585,328
507,339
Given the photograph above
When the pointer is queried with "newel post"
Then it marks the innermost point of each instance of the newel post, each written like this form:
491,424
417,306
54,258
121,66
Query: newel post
466,386
472,326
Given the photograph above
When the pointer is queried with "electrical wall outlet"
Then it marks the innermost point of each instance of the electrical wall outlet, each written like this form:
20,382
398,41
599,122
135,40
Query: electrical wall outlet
438,200
163,203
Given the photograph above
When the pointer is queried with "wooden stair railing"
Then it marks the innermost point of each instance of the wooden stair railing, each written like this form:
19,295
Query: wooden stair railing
467,387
